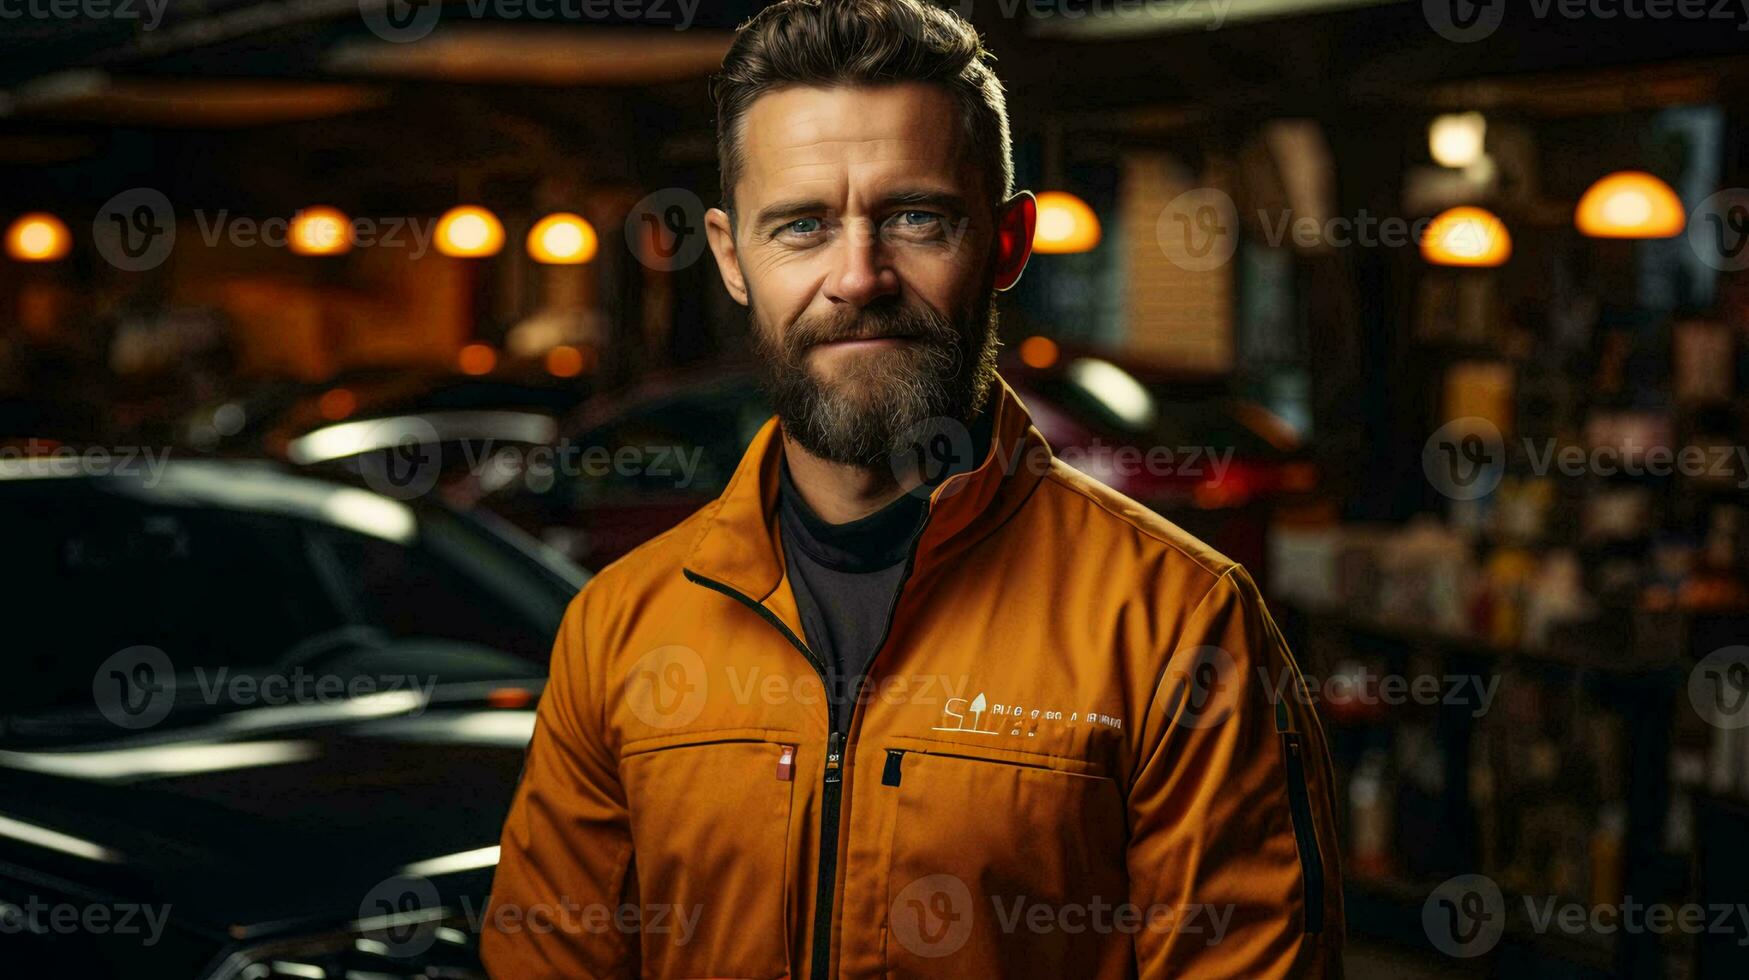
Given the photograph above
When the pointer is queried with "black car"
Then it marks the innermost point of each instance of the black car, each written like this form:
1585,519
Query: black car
257,724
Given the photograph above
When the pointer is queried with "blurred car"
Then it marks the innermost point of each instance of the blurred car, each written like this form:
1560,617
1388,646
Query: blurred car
377,421
272,414
1188,448
635,466
258,723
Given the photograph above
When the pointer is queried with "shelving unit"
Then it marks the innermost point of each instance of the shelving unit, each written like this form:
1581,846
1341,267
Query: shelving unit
1635,681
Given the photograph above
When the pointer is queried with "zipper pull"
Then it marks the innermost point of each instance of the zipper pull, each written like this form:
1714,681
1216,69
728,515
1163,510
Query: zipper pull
890,775
786,763
834,757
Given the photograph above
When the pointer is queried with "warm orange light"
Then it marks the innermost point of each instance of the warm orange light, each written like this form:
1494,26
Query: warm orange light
1630,204
469,232
1467,236
320,230
564,362
477,359
38,237
562,239
337,403
1038,352
1065,224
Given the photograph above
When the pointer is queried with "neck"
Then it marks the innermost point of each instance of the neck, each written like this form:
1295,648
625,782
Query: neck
839,492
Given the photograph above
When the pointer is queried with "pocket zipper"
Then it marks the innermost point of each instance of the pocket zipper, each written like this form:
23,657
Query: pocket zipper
1300,803
890,775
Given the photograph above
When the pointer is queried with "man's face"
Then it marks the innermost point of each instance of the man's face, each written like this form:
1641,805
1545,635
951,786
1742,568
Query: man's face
862,246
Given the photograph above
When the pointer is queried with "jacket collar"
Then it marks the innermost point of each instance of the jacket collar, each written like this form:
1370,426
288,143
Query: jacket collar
738,546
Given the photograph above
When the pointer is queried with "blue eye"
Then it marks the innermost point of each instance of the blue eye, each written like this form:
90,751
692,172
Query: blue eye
803,226
921,217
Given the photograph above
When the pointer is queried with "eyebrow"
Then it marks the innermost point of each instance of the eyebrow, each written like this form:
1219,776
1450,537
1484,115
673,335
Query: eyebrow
781,211
945,200
786,210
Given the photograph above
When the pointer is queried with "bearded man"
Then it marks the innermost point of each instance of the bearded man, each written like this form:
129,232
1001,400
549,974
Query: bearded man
912,697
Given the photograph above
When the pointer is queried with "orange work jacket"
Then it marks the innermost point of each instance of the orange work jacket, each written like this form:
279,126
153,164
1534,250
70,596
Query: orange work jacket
1083,750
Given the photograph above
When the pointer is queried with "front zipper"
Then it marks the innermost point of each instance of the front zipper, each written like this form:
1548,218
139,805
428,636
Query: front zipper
821,967
827,869
765,614
1311,861
832,789
835,753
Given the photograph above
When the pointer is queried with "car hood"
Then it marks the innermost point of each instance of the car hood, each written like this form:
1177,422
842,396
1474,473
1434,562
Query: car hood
251,829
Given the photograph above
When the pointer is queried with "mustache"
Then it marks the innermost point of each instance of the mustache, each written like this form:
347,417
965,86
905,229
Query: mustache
871,324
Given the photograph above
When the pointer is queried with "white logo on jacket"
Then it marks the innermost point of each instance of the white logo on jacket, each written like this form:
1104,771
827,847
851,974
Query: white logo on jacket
978,716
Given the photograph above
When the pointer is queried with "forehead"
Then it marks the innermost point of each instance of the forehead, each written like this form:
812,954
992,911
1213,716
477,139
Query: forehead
842,140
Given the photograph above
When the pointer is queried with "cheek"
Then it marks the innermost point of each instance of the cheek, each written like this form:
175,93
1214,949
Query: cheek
779,294
942,286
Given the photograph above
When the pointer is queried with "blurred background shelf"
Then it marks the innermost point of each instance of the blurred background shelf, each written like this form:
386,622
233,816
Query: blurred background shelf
1461,787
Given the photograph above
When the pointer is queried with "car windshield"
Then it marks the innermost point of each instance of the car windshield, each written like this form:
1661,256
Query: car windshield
238,573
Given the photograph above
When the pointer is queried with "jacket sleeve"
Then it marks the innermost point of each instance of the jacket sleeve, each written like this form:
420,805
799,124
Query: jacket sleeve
564,869
1232,855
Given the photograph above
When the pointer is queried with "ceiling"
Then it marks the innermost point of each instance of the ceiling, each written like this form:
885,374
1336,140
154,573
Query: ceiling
252,100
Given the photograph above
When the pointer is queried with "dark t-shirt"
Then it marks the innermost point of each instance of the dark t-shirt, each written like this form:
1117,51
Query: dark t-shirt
846,577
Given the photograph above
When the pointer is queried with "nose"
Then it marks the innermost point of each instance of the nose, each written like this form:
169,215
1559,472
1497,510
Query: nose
861,271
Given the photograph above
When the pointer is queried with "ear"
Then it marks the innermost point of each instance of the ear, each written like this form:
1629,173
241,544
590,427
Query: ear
719,230
1015,224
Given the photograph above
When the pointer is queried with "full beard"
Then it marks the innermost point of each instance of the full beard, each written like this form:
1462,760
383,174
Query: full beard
873,408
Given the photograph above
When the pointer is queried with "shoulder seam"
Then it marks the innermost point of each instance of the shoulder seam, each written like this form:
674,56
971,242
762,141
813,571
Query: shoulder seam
1216,570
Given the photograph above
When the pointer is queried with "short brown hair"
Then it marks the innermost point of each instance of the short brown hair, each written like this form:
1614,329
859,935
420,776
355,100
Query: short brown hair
863,42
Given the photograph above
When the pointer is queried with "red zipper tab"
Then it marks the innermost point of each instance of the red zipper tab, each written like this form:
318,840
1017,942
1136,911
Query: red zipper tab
786,763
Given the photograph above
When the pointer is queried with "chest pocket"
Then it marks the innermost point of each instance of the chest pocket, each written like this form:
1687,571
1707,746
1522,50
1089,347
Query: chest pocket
710,824
1002,863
